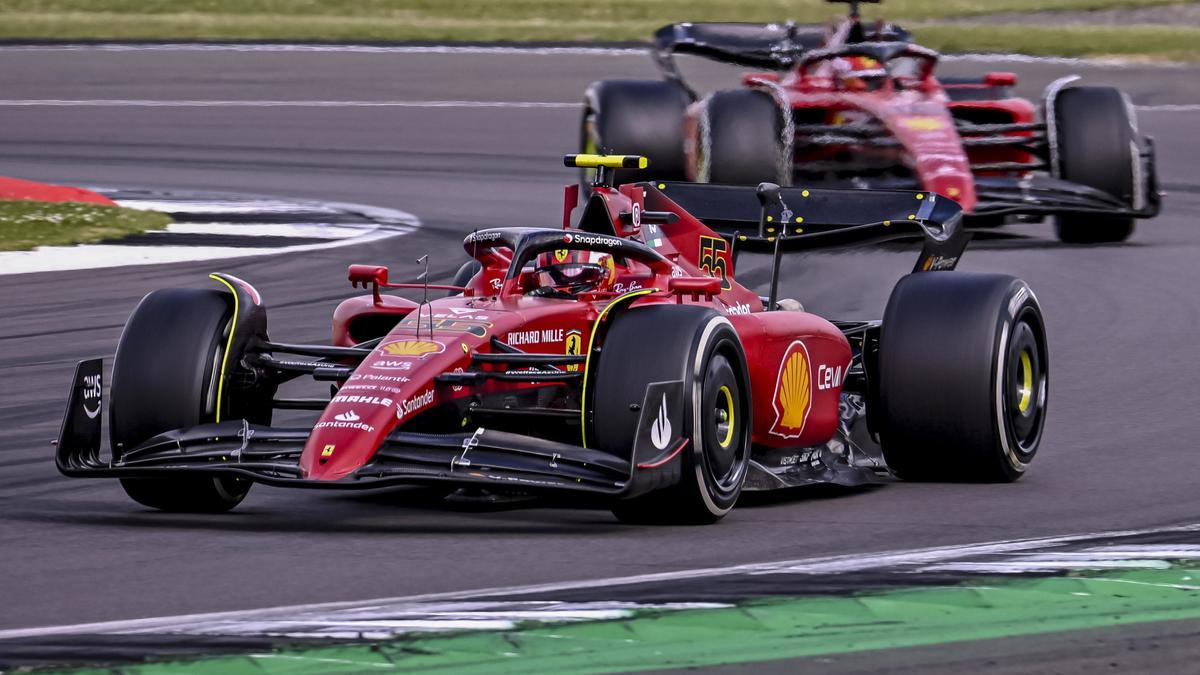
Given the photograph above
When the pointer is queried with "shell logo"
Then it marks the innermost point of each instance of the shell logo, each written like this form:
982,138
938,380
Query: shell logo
793,392
417,348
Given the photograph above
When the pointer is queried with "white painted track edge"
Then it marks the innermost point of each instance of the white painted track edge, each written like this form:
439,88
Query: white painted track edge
845,562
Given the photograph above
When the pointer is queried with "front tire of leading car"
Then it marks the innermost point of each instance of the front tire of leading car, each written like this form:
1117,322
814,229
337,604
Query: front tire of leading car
963,377
165,377
700,347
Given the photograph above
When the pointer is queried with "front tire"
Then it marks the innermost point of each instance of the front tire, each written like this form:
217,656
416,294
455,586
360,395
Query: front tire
1097,147
165,377
963,377
698,346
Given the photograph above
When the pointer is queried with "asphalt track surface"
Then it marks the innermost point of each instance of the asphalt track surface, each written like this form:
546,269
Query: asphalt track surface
1119,448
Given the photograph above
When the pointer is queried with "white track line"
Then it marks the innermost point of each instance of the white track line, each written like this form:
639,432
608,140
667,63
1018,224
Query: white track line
387,223
308,230
195,103
821,565
221,206
1167,107
95,256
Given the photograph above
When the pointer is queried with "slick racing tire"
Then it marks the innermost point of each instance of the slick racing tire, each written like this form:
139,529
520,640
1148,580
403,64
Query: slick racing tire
962,377
464,275
635,117
165,377
1097,147
700,347
741,140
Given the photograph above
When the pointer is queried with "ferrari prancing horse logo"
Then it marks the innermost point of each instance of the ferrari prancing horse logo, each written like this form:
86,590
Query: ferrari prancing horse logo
573,347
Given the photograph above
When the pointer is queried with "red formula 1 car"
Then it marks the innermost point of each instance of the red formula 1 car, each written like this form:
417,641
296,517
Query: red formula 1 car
862,107
614,361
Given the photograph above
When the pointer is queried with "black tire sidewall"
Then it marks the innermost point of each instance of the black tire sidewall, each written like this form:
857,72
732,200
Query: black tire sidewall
163,373
718,500
637,117
465,274
685,338
1095,138
740,138
177,331
943,409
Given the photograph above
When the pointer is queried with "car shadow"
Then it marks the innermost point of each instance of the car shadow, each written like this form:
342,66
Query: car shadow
341,514
383,512
802,494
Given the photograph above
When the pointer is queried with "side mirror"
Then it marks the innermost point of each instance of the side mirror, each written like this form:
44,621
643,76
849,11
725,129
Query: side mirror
369,275
365,275
1000,79
694,286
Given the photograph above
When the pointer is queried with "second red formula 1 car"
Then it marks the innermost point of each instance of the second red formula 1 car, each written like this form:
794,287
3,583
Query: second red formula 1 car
861,106
614,360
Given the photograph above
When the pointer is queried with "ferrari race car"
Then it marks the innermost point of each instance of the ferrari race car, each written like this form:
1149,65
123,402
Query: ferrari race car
613,361
860,106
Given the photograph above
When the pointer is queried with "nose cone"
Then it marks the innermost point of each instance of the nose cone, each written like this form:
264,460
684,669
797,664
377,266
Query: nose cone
391,386
347,434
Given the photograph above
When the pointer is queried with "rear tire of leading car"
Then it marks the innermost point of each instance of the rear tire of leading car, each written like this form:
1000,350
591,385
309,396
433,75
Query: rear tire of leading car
698,346
962,377
635,117
165,377
741,140
1097,147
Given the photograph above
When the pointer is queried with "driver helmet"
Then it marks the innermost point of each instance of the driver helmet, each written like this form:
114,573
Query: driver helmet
859,73
574,272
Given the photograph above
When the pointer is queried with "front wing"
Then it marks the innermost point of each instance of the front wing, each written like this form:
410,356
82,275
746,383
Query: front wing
271,455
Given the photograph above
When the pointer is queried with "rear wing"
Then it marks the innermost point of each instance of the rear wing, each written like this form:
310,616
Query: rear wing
800,218
777,46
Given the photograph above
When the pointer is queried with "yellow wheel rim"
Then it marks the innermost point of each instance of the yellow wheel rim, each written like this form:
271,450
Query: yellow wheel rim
725,404
1026,388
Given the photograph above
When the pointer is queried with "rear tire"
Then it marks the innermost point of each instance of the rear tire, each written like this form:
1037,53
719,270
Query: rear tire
1097,146
962,377
698,346
635,117
164,377
741,140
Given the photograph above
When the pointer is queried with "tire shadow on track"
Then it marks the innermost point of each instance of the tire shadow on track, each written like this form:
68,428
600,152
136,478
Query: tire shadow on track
802,494
332,516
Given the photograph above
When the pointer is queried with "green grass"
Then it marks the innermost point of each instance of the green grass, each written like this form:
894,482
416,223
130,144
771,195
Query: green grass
567,20
28,224
1155,42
